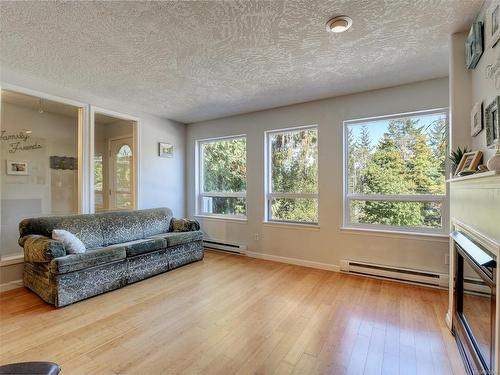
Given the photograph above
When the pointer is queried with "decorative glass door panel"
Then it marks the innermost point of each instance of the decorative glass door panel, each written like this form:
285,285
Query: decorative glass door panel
122,169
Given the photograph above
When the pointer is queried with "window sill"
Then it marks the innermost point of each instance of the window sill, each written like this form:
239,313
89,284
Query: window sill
438,237
221,218
282,224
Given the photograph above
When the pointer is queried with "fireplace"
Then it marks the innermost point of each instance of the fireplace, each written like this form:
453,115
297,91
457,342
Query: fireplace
474,296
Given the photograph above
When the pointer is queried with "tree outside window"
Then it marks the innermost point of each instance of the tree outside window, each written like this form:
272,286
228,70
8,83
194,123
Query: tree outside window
395,171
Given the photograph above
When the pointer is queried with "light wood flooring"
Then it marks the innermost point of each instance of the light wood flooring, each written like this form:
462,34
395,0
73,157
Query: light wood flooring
236,315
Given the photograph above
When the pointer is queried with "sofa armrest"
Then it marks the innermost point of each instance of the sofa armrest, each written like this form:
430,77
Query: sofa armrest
41,249
183,225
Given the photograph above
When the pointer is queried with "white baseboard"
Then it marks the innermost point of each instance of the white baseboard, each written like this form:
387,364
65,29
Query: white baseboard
11,285
295,261
11,259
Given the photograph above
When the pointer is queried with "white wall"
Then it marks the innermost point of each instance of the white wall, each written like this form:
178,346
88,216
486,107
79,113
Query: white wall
460,93
484,88
328,244
44,191
162,179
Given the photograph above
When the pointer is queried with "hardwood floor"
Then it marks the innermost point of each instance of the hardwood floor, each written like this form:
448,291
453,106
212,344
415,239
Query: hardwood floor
237,315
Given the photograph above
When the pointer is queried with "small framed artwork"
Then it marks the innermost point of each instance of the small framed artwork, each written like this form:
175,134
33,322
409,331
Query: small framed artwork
474,45
165,150
492,123
469,162
476,119
493,24
19,168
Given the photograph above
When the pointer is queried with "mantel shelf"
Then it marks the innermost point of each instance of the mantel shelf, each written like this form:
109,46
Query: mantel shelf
475,176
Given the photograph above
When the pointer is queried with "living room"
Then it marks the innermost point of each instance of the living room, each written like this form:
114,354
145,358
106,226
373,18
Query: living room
257,187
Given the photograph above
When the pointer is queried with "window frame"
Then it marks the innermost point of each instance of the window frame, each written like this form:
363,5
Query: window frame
268,178
442,199
200,191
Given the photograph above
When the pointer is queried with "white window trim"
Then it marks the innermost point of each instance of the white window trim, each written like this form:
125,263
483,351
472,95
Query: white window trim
269,194
200,193
348,197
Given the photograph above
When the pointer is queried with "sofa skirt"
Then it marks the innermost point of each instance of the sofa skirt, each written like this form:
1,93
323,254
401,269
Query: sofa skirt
75,286
67,288
156,262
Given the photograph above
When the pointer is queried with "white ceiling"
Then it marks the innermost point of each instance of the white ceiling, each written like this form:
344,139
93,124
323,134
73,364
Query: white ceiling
198,60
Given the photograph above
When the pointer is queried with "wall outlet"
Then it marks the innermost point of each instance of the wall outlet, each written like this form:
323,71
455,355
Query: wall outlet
257,236
446,259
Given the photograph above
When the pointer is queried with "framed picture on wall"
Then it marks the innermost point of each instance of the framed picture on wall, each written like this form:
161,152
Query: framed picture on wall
492,26
19,168
492,123
476,119
165,150
474,45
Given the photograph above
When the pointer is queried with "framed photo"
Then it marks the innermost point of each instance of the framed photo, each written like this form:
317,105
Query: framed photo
476,119
165,150
492,123
19,168
470,162
492,26
474,45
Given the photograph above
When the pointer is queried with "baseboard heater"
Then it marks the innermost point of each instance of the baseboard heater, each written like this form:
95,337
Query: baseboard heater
405,275
230,247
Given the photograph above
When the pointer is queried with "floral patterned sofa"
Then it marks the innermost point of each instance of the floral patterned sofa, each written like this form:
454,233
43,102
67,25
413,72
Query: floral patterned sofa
121,248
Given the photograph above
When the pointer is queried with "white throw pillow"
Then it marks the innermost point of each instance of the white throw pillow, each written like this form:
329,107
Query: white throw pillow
71,243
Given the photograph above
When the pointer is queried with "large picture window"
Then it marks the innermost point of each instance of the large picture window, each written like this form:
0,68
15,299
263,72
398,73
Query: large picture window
395,172
222,177
292,175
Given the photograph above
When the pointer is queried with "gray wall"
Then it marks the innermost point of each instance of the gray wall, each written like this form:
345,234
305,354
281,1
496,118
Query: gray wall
328,244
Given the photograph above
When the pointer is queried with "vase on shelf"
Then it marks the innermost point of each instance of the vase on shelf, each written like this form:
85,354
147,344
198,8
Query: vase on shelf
494,162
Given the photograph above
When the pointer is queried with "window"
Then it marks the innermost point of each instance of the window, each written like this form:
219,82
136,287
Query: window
292,175
223,177
394,171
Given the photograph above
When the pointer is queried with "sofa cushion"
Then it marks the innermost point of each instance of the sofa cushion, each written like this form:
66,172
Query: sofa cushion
119,227
155,220
179,238
71,243
86,227
144,246
91,258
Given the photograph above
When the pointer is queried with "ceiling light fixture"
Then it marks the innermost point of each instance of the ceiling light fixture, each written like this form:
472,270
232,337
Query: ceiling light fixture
40,108
339,24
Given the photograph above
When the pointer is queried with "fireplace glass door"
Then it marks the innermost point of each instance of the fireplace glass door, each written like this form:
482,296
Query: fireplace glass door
474,319
478,312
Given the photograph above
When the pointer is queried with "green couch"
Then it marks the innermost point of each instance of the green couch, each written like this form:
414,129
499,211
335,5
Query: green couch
122,247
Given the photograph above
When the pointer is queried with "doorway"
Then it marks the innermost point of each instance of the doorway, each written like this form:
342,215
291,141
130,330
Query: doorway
114,163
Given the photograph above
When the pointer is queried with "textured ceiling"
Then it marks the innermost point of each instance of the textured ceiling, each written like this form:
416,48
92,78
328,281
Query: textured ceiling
197,60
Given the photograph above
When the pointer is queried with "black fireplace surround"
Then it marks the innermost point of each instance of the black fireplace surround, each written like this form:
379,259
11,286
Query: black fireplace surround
474,314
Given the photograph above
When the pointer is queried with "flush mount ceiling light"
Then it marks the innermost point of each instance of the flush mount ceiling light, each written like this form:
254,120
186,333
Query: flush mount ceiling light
338,24
40,108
